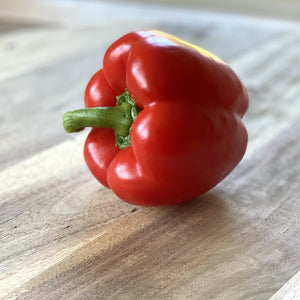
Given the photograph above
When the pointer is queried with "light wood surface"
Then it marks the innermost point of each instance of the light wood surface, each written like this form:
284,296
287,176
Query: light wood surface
64,236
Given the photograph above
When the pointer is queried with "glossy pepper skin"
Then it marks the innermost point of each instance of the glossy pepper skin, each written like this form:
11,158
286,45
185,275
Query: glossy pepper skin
188,135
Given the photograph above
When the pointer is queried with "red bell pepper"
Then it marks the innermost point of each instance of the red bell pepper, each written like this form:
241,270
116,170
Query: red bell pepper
166,117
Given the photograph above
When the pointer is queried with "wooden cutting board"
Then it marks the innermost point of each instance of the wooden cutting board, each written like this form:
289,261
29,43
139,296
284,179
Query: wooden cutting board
65,236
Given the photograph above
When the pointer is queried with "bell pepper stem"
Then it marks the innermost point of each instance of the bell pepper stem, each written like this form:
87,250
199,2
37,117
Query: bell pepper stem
118,118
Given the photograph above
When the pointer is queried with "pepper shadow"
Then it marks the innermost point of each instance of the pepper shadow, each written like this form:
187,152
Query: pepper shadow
183,240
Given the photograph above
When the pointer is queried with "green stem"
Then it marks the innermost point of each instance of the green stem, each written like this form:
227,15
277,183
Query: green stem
118,118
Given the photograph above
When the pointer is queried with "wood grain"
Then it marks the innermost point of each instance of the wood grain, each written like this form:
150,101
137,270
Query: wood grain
278,9
63,235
